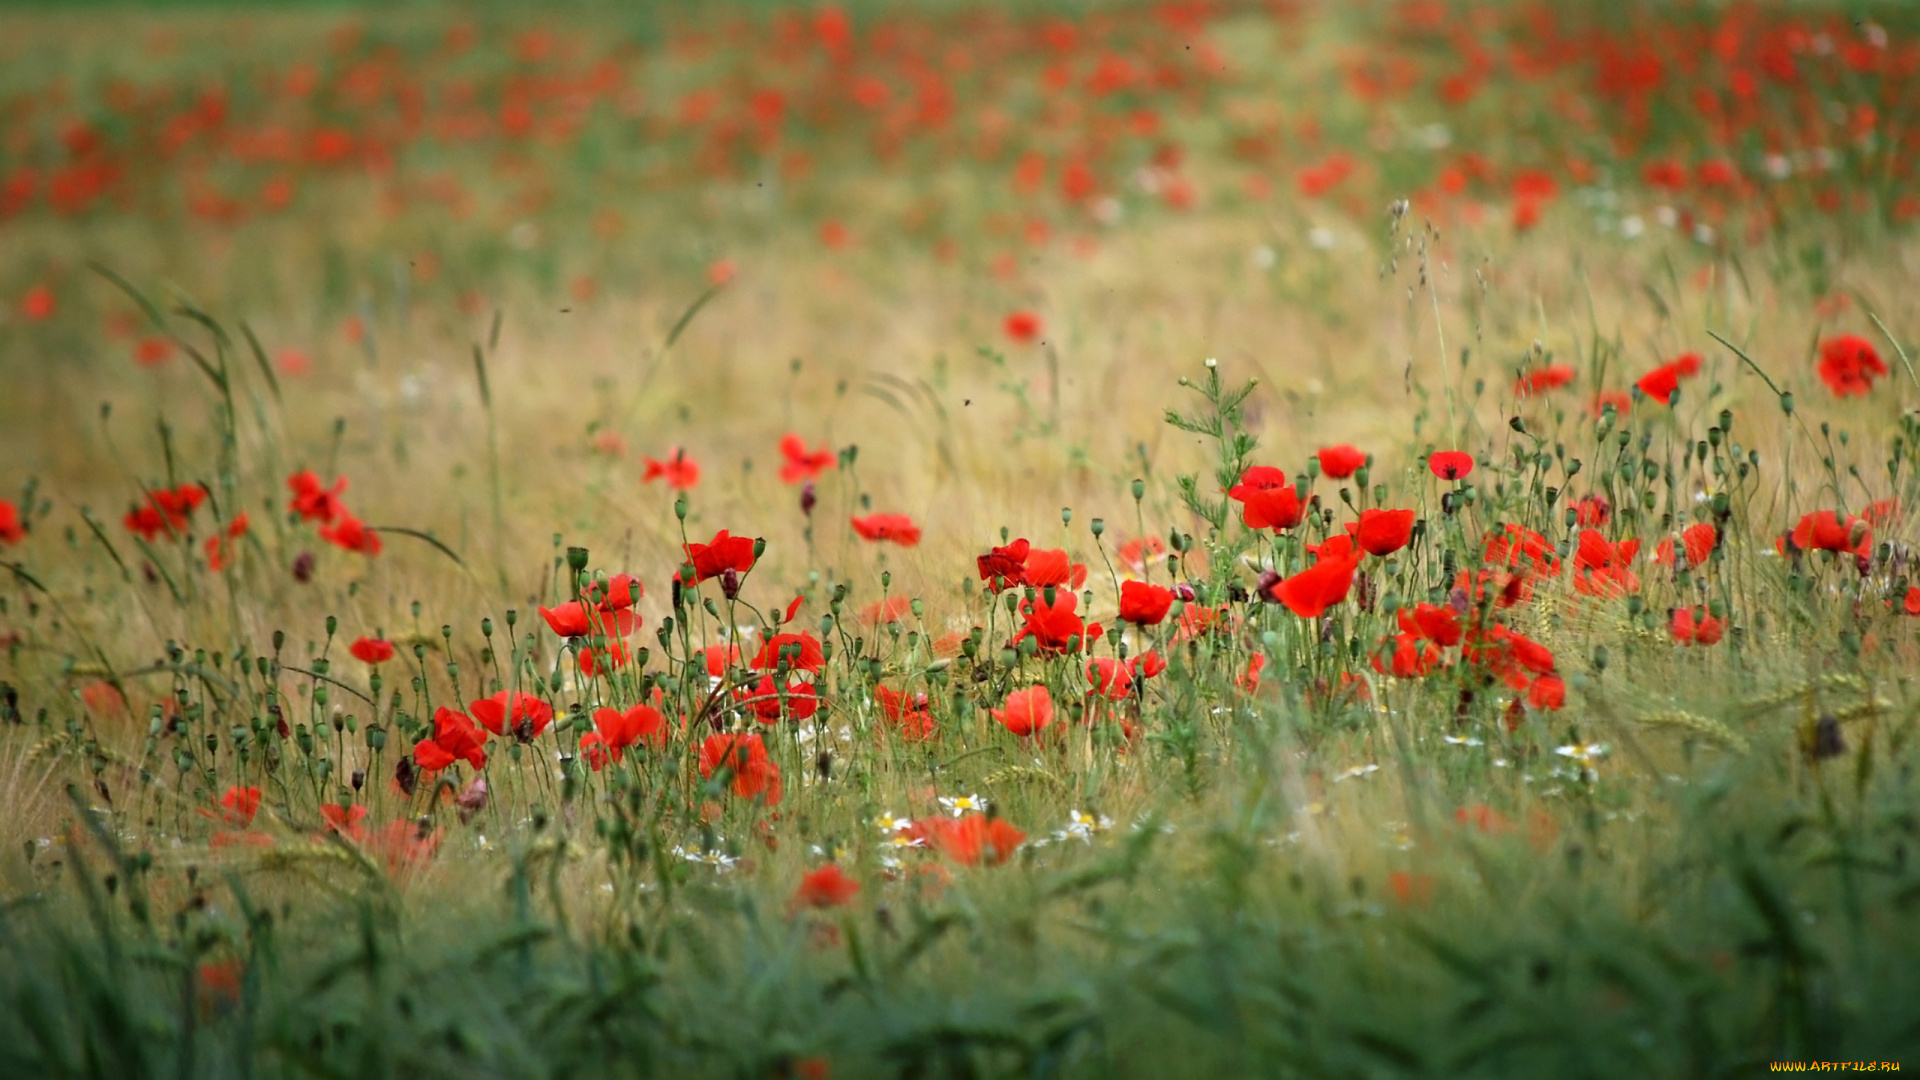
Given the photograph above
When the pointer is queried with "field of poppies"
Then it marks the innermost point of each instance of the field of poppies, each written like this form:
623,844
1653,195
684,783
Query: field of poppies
1201,537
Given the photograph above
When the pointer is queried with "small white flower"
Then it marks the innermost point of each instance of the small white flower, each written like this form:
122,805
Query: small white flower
1631,226
890,824
1357,772
1584,753
1454,740
1320,238
1082,825
962,804
717,859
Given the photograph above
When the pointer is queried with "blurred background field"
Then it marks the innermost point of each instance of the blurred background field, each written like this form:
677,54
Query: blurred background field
502,267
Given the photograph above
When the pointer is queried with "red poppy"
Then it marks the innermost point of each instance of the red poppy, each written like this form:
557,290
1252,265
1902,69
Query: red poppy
1249,679
893,609
975,838
1409,656
576,619
1697,540
1050,566
1450,464
1004,567
1312,591
1336,547
219,547
1823,530
754,775
1023,326
799,652
314,502
1440,625
238,805
621,730
715,557
38,304
351,534
1410,890
1660,383
680,471
1619,401
345,820
1110,678
1340,462
770,702
1267,500
1695,626
1541,380
455,738
1517,547
1592,511
371,650
1055,626
167,511
1382,532
1912,604
511,712
1849,364
800,464
1601,568
898,528
1548,693
11,530
1484,818
826,887
908,712
1143,604
405,845
1137,553
1027,710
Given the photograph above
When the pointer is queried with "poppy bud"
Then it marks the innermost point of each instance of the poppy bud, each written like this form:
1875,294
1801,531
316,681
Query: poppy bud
486,628
1184,591
1139,489
1066,515
513,616
1099,526
729,583
333,624
1600,657
680,508
577,559
1786,403
807,499
404,775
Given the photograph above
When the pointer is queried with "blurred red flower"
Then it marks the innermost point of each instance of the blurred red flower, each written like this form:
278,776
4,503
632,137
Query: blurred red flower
1849,364
680,471
826,887
801,464
512,712
898,528
1027,711
371,650
455,738
1340,462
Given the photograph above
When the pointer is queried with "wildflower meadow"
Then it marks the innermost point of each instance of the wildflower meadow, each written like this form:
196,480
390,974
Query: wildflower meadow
964,539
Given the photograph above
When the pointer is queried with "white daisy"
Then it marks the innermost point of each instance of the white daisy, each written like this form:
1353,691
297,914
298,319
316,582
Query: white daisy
963,804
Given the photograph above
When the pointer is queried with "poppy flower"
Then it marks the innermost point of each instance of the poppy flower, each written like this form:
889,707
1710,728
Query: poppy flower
907,712
1849,364
1912,604
1660,383
1382,532
1143,604
1267,499
1517,547
1450,464
371,650
1592,511
898,528
11,530
975,838
1055,626
38,304
799,652
167,510
679,471
1050,566
1618,400
512,712
1005,567
455,738
1548,693
1484,818
1409,656
1440,625
1823,530
1340,462
1027,710
1695,626
603,658
1697,540
404,846
620,730
715,557
800,464
754,775
219,547
1410,890
771,703
618,592
893,609
1601,568
345,820
1541,380
826,887
1022,326
314,502
1312,591
1138,553
351,534
152,351
238,805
